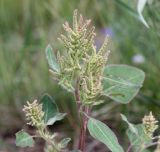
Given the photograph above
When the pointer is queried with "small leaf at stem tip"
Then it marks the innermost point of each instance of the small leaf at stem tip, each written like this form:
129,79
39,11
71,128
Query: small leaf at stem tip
52,61
23,139
131,126
64,142
57,117
103,133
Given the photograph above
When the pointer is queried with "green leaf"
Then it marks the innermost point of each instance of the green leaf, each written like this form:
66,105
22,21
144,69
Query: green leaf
140,6
64,142
23,139
57,117
103,133
130,125
122,83
49,107
51,59
138,140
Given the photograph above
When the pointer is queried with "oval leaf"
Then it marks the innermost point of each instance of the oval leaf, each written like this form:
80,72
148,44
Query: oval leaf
103,133
49,107
122,83
51,59
23,139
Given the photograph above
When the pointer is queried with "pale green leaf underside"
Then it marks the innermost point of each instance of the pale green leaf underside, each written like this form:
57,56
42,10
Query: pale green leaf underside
51,59
23,139
49,107
57,117
103,133
122,83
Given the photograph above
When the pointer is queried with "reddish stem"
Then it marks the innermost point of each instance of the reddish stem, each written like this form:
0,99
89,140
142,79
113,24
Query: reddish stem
82,140
83,119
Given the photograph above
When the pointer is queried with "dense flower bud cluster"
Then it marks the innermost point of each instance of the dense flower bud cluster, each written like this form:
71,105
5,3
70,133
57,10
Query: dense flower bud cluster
81,60
91,81
77,42
34,114
150,124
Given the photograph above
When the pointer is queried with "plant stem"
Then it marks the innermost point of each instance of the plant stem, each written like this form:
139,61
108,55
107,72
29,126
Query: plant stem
82,140
83,118
129,148
77,96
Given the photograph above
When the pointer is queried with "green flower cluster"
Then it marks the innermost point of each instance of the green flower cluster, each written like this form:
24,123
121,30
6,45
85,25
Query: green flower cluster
34,114
150,124
81,60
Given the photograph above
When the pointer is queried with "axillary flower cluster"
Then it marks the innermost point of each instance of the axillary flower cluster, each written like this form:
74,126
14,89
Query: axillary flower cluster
81,61
34,114
150,124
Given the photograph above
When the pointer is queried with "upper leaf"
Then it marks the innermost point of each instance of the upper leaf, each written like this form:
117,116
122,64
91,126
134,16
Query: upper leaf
23,139
122,83
51,59
130,125
49,107
104,134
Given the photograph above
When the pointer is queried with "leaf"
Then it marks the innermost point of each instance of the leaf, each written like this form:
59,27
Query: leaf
57,117
51,59
137,140
23,139
64,142
49,107
140,6
122,83
103,133
131,126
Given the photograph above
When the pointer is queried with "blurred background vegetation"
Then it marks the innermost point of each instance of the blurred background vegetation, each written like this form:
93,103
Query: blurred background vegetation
27,26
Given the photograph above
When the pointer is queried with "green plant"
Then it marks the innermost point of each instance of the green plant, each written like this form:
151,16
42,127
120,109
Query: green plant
82,71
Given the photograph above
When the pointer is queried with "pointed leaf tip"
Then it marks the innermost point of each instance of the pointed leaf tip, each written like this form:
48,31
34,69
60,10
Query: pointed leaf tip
51,58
